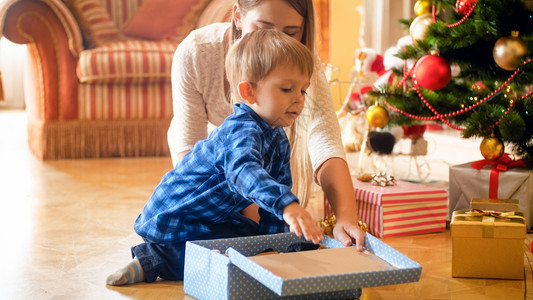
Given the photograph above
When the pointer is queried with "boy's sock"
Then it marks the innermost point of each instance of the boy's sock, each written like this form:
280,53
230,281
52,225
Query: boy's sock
131,273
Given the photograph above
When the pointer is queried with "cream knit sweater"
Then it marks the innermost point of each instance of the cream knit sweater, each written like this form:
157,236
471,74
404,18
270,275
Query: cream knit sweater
198,98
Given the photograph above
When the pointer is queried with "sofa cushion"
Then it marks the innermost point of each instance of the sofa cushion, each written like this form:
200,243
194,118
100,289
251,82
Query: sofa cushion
164,19
121,11
218,11
124,101
132,61
96,24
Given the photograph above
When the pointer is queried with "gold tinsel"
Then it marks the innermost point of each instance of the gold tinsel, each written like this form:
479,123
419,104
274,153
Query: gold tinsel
328,224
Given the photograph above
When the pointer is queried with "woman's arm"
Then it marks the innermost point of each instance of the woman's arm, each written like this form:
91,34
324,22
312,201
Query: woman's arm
179,156
189,123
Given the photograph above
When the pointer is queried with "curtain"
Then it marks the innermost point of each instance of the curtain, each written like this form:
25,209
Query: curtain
322,27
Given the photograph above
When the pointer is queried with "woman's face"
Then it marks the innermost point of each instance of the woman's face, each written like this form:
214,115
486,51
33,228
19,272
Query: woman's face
270,14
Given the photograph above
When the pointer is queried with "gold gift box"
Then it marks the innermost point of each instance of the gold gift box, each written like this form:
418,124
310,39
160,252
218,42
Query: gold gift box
486,246
494,204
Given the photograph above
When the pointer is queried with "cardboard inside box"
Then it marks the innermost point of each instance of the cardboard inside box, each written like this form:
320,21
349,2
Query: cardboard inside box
321,262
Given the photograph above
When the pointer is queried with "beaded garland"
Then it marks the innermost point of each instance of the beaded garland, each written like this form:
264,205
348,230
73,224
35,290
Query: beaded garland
443,117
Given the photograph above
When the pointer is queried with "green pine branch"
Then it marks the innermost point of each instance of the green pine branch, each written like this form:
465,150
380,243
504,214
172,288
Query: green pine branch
469,48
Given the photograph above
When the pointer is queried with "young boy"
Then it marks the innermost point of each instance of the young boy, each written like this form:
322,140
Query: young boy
244,161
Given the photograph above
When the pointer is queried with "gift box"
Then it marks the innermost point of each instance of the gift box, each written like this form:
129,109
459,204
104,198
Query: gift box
231,269
487,246
503,205
467,183
402,209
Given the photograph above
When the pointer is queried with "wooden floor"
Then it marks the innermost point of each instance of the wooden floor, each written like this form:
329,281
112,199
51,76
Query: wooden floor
65,225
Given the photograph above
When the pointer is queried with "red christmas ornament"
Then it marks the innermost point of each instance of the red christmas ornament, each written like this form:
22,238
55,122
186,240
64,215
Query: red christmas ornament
464,6
432,72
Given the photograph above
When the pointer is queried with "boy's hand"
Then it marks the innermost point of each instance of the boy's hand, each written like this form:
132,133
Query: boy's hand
346,231
300,221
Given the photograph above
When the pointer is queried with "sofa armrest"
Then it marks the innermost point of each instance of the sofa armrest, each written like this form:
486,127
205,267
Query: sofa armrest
61,12
54,42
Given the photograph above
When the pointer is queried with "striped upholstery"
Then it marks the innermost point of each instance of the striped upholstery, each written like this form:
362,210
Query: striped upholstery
111,98
130,79
121,10
125,80
97,26
131,61
124,101
127,62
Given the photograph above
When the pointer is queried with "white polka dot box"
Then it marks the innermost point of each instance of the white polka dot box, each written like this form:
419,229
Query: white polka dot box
232,268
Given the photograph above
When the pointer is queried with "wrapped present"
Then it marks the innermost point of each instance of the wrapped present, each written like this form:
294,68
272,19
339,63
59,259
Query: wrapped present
502,205
232,269
401,209
491,181
488,244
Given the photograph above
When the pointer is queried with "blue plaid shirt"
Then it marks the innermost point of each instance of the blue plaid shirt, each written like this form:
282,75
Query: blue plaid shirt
243,161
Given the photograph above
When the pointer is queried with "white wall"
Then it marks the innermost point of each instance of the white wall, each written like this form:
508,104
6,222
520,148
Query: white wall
381,27
12,58
355,24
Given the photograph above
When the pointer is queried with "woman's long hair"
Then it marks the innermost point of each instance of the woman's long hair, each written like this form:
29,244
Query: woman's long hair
301,168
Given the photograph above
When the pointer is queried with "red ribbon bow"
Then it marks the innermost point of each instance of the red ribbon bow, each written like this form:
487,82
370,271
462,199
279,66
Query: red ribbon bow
501,164
487,213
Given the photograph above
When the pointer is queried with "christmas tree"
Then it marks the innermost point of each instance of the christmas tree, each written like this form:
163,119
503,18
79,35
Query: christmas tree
471,70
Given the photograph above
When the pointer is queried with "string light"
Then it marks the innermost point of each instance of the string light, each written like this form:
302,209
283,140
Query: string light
511,104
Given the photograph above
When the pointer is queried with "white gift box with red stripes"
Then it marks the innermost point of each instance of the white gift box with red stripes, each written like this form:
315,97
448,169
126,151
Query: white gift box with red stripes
404,209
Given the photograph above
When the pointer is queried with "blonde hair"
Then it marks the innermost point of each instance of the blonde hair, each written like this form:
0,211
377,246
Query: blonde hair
258,53
251,59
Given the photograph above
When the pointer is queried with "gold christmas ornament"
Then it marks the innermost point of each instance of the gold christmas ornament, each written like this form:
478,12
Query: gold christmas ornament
377,116
491,148
509,50
419,27
423,7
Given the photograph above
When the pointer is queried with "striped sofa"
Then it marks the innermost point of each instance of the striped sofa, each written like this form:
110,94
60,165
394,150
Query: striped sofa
97,78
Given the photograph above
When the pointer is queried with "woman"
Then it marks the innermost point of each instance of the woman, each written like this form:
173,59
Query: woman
201,95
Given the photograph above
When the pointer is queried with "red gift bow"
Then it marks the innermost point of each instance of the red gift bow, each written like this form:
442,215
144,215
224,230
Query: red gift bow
499,165
488,213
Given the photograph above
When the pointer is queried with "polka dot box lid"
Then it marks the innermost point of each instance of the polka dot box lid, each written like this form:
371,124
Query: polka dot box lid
210,274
